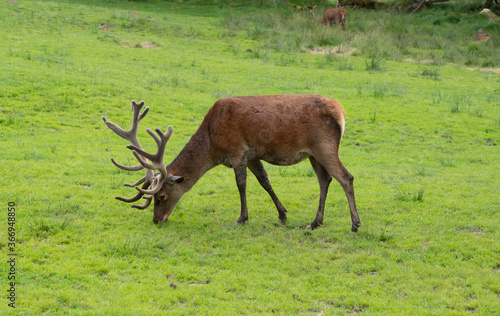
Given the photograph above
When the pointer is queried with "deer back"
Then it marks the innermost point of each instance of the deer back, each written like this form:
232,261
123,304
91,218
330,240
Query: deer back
279,129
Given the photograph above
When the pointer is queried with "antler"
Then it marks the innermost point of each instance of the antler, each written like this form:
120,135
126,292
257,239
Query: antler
314,15
156,159
131,135
137,197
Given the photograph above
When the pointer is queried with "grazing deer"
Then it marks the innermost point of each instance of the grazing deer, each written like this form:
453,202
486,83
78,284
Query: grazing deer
481,36
330,16
239,132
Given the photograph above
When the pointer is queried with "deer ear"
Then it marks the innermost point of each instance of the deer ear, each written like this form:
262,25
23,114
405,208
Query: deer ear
174,179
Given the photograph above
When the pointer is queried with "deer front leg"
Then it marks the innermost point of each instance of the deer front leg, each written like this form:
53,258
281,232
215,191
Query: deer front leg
240,172
260,173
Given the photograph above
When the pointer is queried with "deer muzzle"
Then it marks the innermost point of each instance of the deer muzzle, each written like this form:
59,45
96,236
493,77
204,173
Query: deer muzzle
163,209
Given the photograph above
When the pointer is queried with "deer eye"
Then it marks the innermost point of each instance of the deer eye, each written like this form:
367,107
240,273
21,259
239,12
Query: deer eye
162,197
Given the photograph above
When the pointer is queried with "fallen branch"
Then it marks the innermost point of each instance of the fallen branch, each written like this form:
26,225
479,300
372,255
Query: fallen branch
407,5
422,3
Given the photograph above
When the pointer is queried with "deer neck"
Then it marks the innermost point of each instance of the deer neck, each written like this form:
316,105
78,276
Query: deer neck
193,161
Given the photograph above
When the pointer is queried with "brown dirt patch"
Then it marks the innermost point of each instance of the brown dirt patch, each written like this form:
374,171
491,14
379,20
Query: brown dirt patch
106,27
430,61
148,45
494,70
425,61
140,45
337,50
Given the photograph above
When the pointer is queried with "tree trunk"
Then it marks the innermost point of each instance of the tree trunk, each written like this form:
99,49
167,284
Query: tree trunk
366,4
488,4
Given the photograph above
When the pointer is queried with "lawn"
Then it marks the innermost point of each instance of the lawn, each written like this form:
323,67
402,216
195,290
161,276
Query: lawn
421,140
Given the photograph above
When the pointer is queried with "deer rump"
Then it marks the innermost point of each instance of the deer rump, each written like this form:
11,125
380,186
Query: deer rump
239,132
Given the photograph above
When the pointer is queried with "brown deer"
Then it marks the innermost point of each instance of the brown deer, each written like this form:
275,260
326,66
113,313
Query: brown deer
239,132
330,16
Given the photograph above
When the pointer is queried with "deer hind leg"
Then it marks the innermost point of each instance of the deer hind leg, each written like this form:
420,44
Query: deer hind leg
324,179
331,162
258,170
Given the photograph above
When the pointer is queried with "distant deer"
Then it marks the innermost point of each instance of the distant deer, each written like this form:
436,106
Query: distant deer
330,16
481,36
239,132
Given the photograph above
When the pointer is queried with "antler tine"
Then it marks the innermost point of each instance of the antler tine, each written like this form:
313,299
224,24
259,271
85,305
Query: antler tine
135,198
138,196
156,159
130,135
139,106
157,183
146,204
141,180
314,15
131,168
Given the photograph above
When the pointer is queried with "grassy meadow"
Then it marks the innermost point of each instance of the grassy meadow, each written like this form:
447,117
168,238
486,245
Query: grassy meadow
422,141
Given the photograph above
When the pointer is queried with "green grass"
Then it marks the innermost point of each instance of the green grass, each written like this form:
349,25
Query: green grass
421,141
440,35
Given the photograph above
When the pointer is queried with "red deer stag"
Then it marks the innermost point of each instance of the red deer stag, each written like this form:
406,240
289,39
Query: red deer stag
239,132
330,16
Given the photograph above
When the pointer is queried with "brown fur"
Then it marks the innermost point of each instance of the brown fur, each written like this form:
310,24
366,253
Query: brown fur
335,15
239,132
481,36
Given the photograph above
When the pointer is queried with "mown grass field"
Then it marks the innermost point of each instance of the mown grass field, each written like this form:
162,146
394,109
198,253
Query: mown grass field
422,142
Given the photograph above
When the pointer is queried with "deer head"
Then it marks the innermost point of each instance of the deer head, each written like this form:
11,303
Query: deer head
161,182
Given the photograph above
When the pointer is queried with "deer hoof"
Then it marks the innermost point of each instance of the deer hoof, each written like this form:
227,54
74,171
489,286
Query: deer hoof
315,224
354,228
240,221
283,220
